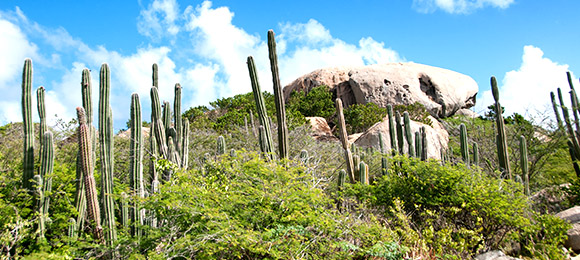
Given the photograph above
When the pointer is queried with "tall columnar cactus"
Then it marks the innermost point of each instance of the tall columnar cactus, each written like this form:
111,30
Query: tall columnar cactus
185,145
41,114
261,108
381,143
384,165
72,229
166,118
524,164
409,134
278,98
392,129
418,144
555,107
106,151
400,137
155,75
136,165
39,197
46,167
464,145
363,173
263,142
501,140
27,127
574,100
344,140
85,158
574,158
475,154
178,123
124,206
572,134
424,144
80,197
157,124
221,145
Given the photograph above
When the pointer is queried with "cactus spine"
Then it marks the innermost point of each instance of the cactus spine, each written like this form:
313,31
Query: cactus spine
278,98
106,151
409,134
85,158
261,107
503,156
27,127
344,140
464,145
524,164
221,145
136,165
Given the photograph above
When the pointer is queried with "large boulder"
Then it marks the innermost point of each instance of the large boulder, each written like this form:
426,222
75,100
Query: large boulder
319,126
437,137
572,216
441,91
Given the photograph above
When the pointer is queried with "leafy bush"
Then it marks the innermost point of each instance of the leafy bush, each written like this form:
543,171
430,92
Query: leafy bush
461,211
316,102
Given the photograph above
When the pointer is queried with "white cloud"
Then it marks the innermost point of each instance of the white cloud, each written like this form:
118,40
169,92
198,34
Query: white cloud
458,6
215,67
159,19
14,48
526,91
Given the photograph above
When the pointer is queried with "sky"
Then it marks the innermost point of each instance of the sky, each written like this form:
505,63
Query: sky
203,45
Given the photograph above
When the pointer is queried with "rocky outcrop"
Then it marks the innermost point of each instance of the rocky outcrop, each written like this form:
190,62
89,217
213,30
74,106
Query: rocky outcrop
127,133
441,91
437,137
319,126
494,255
572,216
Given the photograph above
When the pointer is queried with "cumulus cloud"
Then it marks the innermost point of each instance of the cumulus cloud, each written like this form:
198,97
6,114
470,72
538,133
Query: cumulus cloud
159,19
215,67
458,6
527,89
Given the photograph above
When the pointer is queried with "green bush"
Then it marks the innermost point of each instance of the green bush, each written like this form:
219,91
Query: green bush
316,102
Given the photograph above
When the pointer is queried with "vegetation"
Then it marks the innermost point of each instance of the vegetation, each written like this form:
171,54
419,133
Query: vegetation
181,194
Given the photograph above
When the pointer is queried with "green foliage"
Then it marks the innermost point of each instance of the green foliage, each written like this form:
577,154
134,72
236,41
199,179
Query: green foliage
316,102
460,211
360,117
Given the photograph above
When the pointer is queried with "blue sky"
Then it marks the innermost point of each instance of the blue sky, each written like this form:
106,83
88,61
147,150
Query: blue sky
527,45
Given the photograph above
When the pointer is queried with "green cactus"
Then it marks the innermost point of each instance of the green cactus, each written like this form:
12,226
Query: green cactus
39,198
261,108
304,157
381,143
409,134
177,119
136,165
157,125
363,173
124,206
93,211
464,145
384,165
185,145
501,140
46,167
27,127
524,164
262,139
72,229
418,144
555,108
356,161
400,137
424,144
573,157
221,145
155,76
41,114
106,151
350,166
392,129
475,154
166,118
278,98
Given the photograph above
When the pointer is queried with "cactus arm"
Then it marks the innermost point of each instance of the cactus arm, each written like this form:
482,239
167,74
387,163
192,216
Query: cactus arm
261,107
278,98
409,134
27,126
